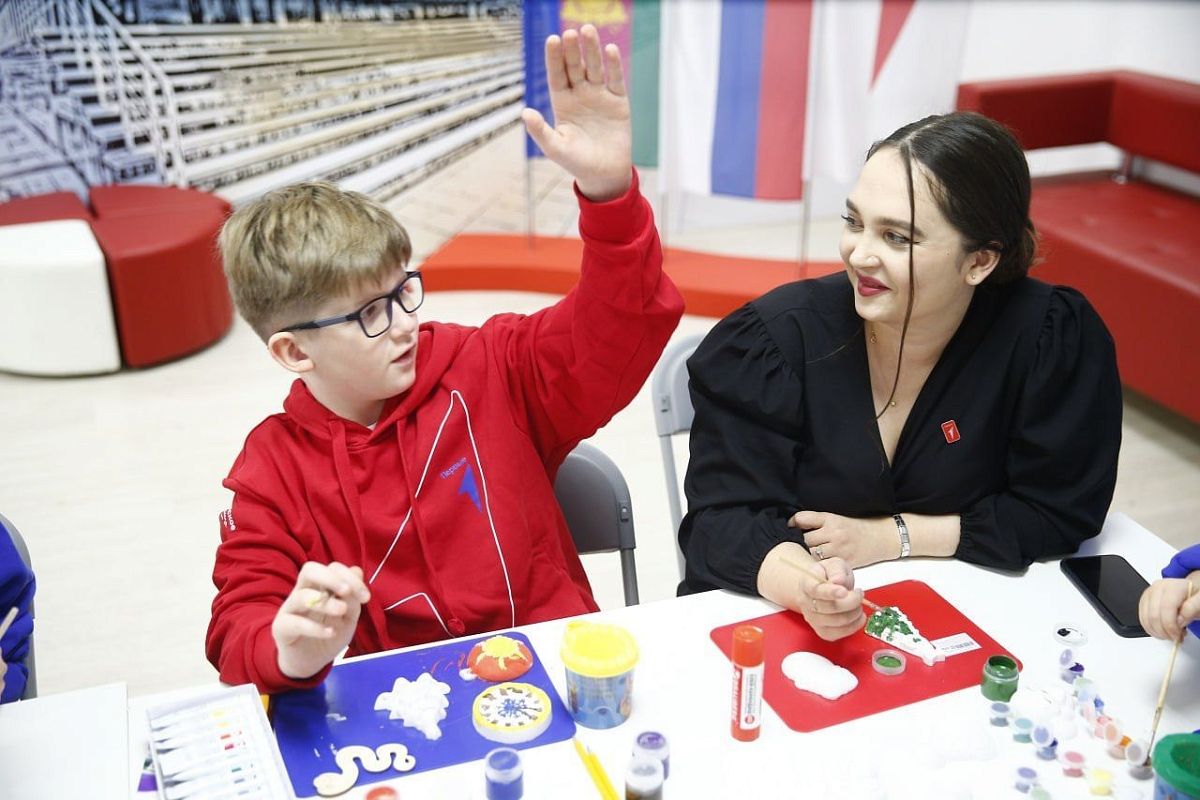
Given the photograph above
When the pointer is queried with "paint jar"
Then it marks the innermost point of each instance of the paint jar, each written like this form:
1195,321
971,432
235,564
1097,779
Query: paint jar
1099,724
1000,675
1072,763
382,793
1116,739
888,662
1039,793
599,661
1137,756
1177,762
1044,741
1026,779
644,779
1022,730
745,716
654,745
504,774
1099,782
999,713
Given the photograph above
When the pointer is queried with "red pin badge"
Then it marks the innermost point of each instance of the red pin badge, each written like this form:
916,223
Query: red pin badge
950,431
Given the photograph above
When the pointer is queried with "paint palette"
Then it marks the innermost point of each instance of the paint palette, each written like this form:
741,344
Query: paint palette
966,646
216,745
311,726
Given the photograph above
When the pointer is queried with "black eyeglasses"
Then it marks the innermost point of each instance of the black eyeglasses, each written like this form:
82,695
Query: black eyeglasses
375,317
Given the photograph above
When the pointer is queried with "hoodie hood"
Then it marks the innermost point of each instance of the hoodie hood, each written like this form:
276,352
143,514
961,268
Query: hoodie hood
437,346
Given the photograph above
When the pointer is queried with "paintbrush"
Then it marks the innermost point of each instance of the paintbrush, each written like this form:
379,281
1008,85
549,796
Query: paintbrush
1162,692
797,565
595,771
8,620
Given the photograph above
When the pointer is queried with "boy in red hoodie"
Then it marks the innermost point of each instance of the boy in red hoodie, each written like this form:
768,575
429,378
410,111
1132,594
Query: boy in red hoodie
405,494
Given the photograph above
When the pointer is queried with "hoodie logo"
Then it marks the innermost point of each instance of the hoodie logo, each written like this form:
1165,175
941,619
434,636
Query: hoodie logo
466,484
469,488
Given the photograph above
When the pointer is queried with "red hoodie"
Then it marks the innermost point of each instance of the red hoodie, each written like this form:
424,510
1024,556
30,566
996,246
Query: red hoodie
448,503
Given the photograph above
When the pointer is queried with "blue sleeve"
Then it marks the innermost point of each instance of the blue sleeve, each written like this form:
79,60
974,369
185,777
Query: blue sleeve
16,589
1185,562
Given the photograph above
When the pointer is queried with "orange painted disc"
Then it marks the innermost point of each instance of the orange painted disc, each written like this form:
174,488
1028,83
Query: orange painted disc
499,659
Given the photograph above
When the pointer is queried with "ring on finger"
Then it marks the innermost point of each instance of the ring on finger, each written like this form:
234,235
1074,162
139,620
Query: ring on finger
817,552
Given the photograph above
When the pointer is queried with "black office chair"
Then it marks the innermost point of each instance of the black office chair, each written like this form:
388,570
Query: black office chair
595,500
8,528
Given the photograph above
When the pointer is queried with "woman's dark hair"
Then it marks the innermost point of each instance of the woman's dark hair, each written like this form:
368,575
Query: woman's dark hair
980,181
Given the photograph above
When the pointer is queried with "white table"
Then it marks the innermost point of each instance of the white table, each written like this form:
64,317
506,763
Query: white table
71,744
682,686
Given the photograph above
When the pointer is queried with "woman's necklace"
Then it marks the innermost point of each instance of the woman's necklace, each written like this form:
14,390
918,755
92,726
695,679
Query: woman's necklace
875,340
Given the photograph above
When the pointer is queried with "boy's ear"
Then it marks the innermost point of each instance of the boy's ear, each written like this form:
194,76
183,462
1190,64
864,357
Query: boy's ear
287,352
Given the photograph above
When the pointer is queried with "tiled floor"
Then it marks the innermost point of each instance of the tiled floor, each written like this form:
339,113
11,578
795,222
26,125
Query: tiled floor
115,481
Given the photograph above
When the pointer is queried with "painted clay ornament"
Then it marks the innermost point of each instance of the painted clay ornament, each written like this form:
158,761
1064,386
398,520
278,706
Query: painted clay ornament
511,713
890,624
499,659
381,759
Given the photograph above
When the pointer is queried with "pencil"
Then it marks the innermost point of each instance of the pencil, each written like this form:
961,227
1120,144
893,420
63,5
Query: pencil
596,771
8,620
1162,692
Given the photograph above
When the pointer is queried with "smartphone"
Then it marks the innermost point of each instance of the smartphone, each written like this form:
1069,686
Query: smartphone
1112,586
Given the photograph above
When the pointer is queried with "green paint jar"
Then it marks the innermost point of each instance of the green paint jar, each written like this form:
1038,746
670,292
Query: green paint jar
1177,762
1000,675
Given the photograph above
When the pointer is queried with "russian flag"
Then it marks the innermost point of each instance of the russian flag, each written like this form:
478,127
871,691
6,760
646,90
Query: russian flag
737,91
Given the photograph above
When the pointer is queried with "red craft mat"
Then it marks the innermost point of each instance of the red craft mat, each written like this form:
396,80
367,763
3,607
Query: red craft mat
786,632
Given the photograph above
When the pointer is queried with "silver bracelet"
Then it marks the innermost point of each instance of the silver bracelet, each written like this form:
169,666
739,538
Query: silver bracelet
905,546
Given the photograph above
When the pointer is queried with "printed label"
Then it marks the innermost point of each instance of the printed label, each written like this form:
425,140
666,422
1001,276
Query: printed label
748,696
953,645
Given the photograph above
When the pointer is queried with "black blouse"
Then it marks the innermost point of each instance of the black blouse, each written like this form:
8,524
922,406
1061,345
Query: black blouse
785,421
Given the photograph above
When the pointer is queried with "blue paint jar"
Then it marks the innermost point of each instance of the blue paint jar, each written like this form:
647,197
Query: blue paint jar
504,774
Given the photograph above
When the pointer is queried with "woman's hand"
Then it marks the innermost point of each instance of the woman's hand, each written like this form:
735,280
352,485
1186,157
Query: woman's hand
822,592
1165,608
591,138
858,542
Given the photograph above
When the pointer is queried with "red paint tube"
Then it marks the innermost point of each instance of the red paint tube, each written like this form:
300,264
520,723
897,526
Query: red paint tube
746,710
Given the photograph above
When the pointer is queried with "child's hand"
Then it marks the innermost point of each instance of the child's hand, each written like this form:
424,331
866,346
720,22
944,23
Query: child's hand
1165,609
591,137
318,618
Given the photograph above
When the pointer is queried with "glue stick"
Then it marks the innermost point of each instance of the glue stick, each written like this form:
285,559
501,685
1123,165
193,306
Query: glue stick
746,710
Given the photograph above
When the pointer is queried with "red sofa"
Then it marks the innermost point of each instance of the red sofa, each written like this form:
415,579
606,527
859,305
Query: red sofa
1132,247
164,271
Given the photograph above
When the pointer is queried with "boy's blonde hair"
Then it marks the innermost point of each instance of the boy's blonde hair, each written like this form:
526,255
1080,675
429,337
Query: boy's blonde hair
290,251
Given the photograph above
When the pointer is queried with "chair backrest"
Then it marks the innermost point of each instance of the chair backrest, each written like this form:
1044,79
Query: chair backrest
673,414
595,501
7,528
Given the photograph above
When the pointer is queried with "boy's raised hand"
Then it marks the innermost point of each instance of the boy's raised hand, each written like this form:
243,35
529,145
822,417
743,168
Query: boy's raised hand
591,137
317,620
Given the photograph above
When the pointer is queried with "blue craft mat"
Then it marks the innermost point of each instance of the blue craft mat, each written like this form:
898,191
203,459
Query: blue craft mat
310,727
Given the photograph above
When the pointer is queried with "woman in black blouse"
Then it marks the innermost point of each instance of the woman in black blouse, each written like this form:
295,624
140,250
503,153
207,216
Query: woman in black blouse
930,401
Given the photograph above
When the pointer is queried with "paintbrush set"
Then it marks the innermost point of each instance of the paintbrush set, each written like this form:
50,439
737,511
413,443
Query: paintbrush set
217,746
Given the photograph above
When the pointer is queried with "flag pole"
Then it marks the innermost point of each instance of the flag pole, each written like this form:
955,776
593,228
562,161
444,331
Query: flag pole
529,207
810,129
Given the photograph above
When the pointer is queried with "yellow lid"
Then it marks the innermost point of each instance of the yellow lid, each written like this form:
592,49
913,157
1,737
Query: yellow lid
597,650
